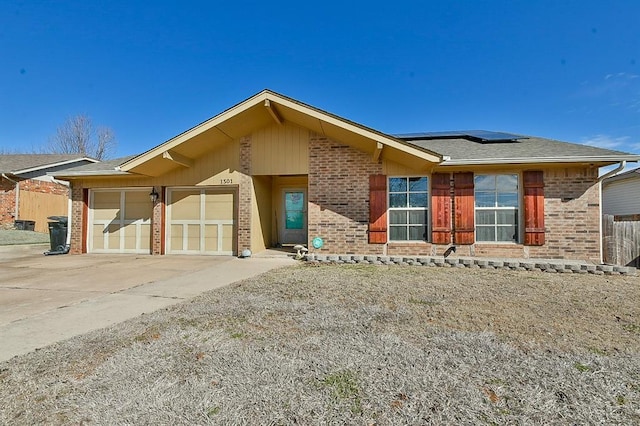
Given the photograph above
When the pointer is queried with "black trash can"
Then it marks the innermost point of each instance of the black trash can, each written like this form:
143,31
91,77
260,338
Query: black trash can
58,233
24,225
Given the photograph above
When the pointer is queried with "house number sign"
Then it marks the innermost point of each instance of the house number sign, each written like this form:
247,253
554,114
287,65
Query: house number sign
226,181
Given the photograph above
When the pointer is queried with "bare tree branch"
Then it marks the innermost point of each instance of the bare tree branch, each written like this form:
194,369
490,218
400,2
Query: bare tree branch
78,136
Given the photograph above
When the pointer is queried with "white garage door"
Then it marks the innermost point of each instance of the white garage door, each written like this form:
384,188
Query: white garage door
120,221
200,221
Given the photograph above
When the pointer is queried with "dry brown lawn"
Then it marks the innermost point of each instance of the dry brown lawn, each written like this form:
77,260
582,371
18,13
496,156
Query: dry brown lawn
353,345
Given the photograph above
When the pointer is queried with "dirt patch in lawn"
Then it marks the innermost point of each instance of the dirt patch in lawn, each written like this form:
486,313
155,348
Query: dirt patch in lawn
356,345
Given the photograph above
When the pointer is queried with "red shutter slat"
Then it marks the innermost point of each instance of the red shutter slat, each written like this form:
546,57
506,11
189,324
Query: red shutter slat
533,208
464,214
441,208
377,209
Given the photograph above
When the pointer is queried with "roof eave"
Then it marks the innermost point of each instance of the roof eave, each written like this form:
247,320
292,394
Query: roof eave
93,173
538,160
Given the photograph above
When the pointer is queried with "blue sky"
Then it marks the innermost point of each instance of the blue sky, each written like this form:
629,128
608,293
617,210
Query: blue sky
568,70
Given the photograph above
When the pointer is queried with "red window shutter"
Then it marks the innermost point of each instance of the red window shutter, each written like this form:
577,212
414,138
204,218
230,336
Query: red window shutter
533,208
464,229
441,208
377,209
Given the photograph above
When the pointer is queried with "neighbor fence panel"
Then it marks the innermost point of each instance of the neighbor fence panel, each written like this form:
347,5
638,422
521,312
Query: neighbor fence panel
621,240
38,206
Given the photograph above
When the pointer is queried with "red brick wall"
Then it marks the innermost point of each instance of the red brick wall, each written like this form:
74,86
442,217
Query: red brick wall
572,215
8,195
244,196
77,208
7,201
339,196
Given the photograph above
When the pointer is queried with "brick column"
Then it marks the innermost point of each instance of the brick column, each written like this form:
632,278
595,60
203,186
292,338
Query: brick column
244,196
157,224
77,217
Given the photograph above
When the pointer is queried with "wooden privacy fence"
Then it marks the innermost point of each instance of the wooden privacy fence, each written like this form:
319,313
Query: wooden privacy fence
38,206
621,240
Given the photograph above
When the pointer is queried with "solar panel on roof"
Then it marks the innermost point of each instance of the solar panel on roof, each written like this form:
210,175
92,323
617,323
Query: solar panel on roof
478,135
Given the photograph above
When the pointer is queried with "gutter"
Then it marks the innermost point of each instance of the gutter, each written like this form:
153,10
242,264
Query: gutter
621,166
16,208
525,160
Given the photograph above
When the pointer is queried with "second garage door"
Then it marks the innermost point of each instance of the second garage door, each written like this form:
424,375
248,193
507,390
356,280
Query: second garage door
200,221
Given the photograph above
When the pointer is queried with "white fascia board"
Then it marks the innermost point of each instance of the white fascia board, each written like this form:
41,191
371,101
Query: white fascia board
90,173
549,160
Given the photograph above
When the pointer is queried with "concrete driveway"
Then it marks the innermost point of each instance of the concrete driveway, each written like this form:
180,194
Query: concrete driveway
45,299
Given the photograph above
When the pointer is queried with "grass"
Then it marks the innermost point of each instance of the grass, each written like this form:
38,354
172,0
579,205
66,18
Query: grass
16,237
352,345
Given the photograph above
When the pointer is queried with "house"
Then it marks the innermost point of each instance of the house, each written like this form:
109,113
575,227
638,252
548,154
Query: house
27,193
621,194
273,171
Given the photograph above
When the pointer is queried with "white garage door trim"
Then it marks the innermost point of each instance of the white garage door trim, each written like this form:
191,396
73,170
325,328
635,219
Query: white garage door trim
200,222
121,221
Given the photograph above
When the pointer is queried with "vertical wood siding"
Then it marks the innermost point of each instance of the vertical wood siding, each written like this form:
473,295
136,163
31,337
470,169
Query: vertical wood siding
280,150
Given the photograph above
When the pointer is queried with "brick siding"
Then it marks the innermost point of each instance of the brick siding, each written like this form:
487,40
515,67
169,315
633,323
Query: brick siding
339,196
244,196
77,207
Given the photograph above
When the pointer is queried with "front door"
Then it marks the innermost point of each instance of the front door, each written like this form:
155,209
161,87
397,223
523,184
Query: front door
294,229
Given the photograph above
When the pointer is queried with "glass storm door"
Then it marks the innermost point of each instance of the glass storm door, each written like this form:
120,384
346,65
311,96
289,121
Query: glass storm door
295,217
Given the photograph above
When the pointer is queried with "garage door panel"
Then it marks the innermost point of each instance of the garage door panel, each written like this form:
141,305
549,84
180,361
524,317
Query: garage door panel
106,205
98,237
193,237
227,237
185,205
113,238
200,221
120,221
211,237
218,206
137,206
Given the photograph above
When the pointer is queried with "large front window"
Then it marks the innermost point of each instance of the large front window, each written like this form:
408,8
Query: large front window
497,204
408,208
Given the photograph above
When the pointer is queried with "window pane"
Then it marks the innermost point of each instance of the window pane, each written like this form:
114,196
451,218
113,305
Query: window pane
397,185
397,217
485,199
417,199
418,184
398,233
417,233
485,233
507,233
484,182
509,199
507,217
397,200
485,217
418,217
507,183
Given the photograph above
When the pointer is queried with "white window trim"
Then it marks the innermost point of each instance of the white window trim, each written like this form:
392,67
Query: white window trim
520,215
428,210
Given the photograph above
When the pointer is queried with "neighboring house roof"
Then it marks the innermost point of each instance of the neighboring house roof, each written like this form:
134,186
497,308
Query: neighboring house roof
23,163
102,168
484,147
629,174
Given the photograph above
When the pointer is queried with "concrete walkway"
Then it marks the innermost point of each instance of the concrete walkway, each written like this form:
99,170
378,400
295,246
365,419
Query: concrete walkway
46,299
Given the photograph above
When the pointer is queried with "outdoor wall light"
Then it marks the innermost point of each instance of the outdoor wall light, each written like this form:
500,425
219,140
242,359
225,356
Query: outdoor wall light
153,195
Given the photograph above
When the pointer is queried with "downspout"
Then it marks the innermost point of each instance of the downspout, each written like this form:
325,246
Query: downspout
621,166
17,184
